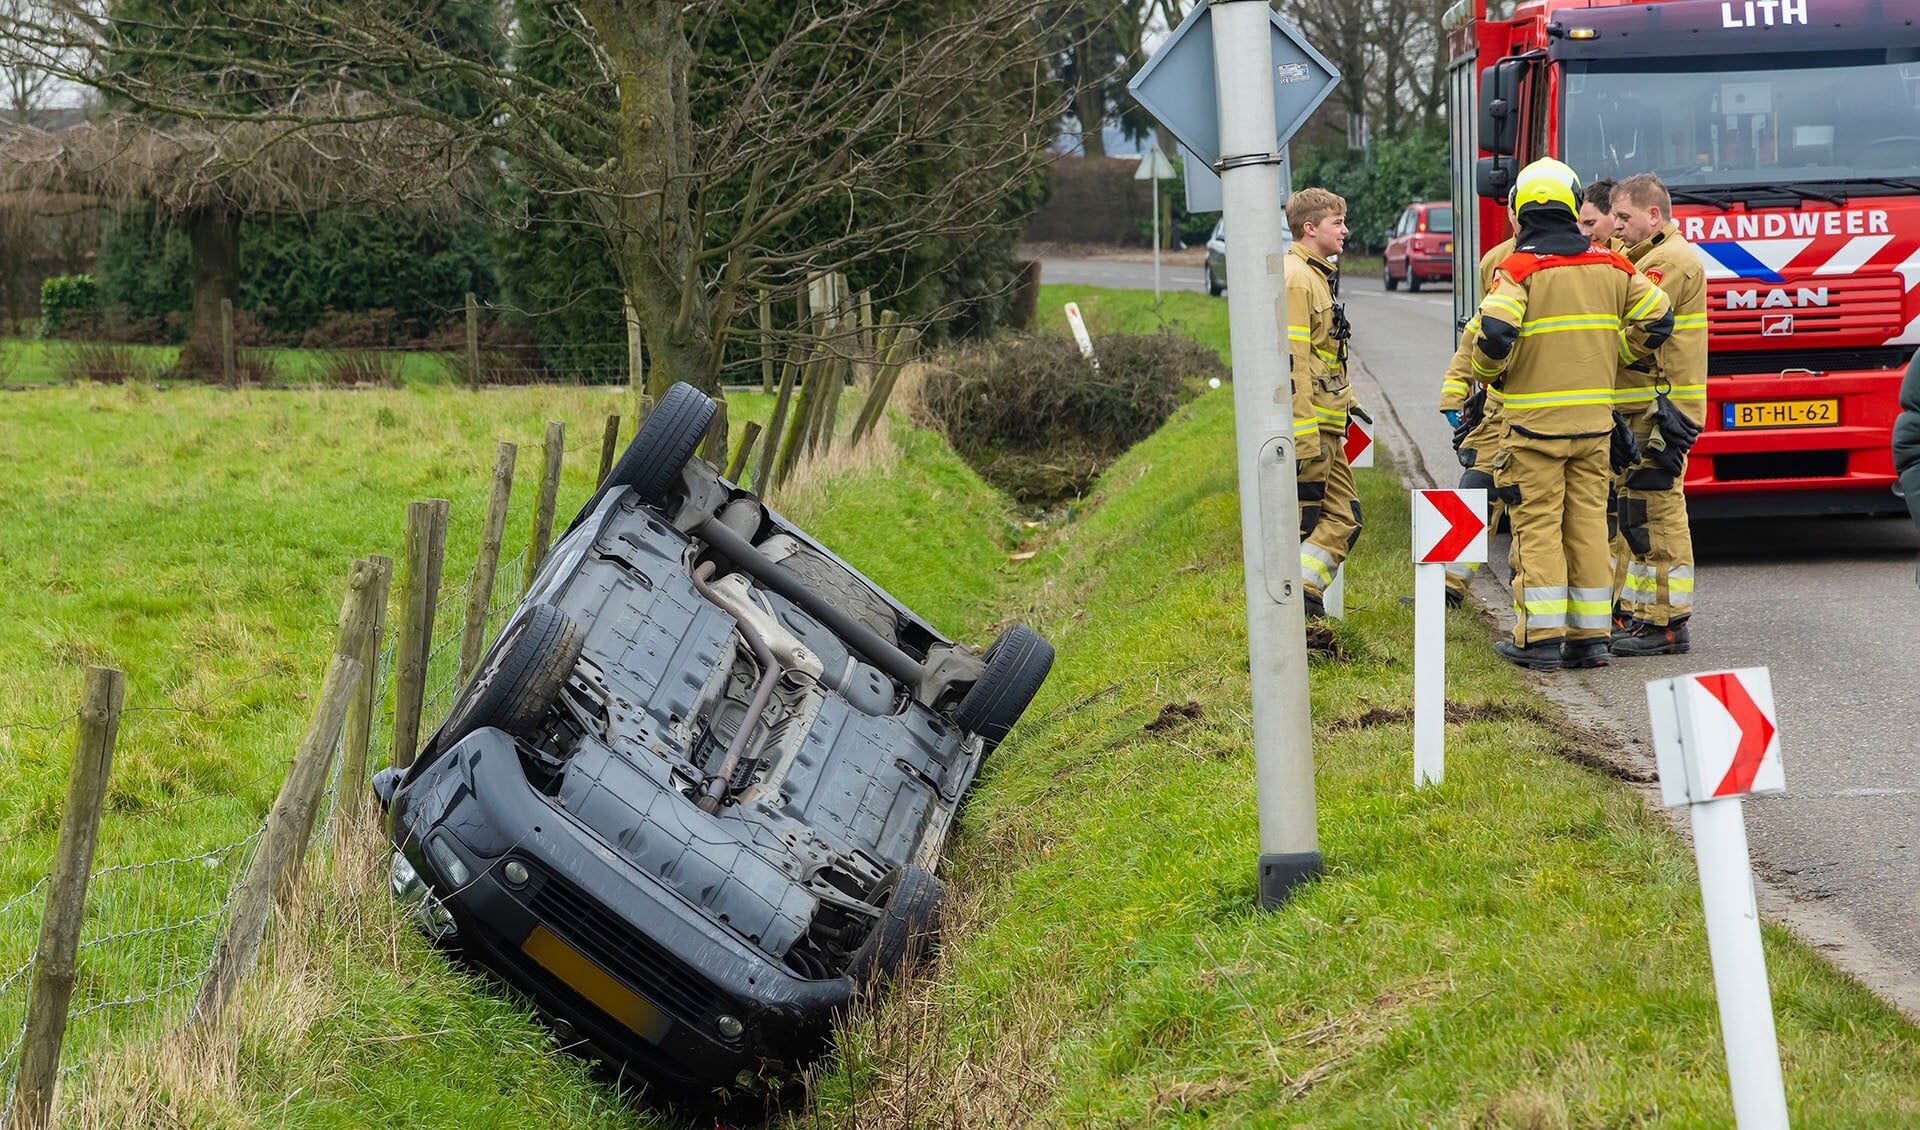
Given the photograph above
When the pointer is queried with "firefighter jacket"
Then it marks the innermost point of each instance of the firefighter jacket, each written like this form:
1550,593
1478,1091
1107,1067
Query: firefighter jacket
1906,438
1553,330
1678,368
1317,334
1459,380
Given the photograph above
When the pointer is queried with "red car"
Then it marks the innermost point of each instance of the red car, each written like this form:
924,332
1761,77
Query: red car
1420,246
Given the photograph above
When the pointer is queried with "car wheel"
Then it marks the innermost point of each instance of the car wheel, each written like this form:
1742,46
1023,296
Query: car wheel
1413,280
1386,275
1017,664
520,679
1214,286
653,461
909,900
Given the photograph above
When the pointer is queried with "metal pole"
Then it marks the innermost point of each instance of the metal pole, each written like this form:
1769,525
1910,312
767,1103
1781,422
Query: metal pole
1429,673
1156,235
1251,186
1739,964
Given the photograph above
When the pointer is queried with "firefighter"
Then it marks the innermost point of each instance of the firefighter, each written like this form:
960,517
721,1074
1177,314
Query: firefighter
1317,334
1596,214
1556,322
1664,398
1472,410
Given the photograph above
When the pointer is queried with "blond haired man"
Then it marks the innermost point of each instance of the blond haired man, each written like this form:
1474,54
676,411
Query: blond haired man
1664,398
1317,334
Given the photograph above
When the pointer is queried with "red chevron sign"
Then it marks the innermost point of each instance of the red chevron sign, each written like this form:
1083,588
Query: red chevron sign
1359,443
1449,526
1716,735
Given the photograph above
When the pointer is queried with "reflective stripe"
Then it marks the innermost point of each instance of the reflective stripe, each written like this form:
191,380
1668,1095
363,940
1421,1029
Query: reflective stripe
1558,399
1463,569
1331,415
1305,427
1501,302
1590,608
1678,599
1546,620
1627,355
1454,384
1687,392
1544,607
1488,371
1299,333
1473,326
1689,321
1329,358
1567,323
1680,578
1316,562
1646,304
1639,394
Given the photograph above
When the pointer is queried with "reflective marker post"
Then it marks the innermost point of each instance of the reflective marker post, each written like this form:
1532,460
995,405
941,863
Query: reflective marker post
1716,738
1448,526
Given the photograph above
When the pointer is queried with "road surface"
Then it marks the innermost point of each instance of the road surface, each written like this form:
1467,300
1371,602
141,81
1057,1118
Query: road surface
1830,605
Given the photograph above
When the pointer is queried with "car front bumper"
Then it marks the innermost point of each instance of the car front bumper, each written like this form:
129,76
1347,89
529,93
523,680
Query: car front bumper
616,962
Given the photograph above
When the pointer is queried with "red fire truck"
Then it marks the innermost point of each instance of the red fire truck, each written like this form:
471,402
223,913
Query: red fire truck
1788,132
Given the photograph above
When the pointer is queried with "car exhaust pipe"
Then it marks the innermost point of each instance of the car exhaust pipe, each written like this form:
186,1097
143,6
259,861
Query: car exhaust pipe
716,790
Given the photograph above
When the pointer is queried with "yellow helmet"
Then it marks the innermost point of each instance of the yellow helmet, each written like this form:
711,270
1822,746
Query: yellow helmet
1547,181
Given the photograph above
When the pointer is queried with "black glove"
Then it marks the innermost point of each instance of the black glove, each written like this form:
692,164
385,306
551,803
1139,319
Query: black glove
1471,414
1672,437
1365,415
1625,451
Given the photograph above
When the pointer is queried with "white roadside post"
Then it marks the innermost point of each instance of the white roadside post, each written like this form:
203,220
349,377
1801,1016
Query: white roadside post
1448,526
1080,334
1154,167
1717,738
1232,83
1359,445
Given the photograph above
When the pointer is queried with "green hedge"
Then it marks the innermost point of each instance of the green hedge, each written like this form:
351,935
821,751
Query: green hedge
66,300
1378,186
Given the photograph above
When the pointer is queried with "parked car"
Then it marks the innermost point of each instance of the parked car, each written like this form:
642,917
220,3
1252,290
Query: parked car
1216,263
1420,246
692,801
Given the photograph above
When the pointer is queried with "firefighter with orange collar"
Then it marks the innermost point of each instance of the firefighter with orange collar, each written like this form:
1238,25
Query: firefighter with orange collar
1317,334
1560,317
1664,398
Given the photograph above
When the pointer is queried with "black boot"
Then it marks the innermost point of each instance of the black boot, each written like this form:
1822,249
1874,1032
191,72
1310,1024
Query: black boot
1542,656
1583,653
1653,639
1455,597
1316,608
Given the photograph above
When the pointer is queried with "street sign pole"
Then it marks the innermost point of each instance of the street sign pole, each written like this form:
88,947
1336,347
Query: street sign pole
1448,526
1250,167
1716,738
1156,241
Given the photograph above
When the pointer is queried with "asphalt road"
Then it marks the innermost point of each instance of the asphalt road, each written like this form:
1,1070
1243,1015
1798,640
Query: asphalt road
1830,605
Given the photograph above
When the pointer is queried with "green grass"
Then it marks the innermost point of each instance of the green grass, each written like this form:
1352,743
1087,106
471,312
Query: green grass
27,362
1110,311
1521,946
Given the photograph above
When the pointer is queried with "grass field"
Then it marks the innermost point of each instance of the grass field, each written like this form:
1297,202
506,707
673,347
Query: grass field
1520,947
27,362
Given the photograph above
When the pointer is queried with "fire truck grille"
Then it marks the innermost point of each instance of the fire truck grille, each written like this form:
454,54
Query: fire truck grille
1808,309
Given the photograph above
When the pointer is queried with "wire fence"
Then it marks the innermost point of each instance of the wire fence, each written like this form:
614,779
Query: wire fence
152,925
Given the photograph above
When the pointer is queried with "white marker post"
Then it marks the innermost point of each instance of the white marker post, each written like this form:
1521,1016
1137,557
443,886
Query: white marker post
1080,334
1448,526
1359,445
1717,738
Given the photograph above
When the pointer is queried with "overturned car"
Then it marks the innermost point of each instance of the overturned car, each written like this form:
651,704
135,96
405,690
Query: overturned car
692,800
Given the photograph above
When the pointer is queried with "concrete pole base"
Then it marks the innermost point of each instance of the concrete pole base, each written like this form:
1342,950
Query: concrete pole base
1282,872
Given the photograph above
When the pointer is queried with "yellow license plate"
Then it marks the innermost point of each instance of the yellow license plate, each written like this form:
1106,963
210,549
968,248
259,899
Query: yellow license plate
1780,414
594,983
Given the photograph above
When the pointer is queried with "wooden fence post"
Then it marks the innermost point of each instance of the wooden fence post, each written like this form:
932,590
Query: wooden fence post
837,376
869,357
473,341
360,712
803,415
227,370
350,639
426,551
473,636
555,450
55,959
748,438
763,468
609,446
898,350
284,836
636,365
766,344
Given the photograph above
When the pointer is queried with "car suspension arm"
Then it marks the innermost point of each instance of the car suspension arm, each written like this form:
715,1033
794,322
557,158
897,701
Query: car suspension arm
716,789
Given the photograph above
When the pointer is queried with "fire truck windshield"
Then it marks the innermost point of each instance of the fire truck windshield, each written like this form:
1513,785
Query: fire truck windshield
1739,125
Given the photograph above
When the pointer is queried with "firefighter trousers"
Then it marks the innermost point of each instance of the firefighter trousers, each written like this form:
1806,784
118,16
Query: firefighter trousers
1657,583
1556,496
1329,513
1476,459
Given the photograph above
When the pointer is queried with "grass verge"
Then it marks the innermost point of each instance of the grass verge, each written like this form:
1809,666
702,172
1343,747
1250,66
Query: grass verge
1522,946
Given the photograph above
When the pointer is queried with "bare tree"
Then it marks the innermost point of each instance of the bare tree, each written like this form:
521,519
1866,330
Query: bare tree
807,156
1390,54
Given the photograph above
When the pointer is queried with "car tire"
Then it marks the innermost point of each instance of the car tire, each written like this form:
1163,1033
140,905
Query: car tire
1413,280
521,677
1386,276
1214,286
1017,663
651,464
909,899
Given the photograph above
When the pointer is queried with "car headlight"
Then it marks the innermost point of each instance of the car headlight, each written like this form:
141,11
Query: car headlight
449,861
406,882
